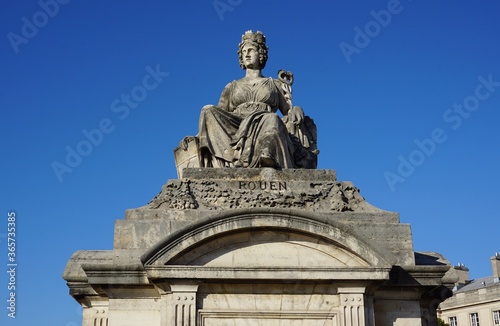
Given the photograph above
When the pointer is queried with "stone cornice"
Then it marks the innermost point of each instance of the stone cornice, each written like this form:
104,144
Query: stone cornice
133,274
289,274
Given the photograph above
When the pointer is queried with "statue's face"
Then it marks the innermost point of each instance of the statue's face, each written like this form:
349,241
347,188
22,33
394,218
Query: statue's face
250,55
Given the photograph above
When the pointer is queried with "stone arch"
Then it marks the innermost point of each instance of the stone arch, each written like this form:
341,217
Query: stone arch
186,246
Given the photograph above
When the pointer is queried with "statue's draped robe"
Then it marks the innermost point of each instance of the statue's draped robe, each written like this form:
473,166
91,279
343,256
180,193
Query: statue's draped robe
245,128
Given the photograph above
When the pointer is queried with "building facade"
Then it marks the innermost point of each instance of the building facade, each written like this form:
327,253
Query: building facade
474,302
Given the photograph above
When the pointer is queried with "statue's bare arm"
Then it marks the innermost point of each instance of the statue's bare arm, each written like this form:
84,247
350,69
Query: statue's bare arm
224,101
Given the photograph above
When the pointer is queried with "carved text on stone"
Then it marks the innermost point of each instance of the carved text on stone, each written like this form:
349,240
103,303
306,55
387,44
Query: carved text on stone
263,185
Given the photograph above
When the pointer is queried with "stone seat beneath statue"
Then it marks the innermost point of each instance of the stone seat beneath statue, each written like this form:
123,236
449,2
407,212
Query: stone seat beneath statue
187,155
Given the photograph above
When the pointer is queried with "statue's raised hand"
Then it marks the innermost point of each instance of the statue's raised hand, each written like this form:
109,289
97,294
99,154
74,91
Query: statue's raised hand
296,115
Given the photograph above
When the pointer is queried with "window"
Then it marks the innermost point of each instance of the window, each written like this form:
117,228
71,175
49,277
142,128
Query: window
474,319
496,317
453,321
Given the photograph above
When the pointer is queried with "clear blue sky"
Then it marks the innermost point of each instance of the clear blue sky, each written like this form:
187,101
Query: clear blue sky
406,97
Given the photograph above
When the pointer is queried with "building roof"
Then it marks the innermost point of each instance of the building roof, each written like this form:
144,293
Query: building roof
480,283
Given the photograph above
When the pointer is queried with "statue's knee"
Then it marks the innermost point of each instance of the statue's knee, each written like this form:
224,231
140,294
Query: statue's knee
207,107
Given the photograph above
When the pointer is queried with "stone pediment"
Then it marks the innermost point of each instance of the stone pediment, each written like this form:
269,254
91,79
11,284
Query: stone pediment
259,237
265,248
268,245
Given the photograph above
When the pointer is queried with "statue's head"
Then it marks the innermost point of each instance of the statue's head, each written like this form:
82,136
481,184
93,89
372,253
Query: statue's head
258,40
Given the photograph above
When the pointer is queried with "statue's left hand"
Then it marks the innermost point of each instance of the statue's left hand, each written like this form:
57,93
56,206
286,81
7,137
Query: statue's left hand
296,115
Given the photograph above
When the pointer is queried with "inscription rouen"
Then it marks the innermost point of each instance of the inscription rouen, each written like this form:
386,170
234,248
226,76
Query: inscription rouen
263,185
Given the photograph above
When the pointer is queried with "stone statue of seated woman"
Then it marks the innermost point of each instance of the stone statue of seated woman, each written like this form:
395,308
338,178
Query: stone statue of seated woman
244,129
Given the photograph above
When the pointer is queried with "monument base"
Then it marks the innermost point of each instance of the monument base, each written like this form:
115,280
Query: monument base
259,247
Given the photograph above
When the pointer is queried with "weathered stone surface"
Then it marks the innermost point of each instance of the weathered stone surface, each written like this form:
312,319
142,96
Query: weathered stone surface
324,253
233,188
146,226
300,304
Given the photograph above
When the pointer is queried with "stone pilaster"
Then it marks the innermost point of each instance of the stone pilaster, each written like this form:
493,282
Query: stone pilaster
352,306
96,316
182,305
95,311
